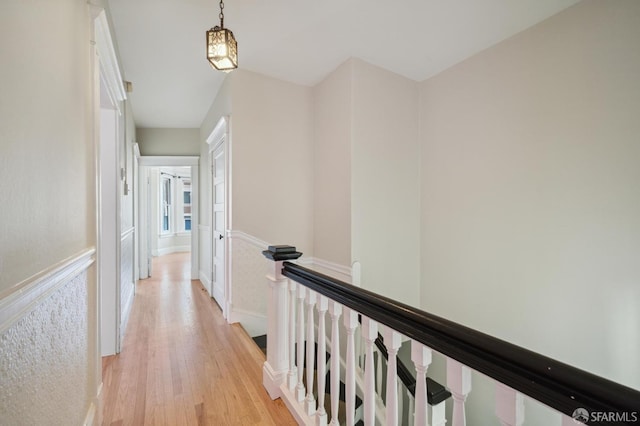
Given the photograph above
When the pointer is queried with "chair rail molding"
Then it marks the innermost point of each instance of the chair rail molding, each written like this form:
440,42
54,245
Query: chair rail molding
17,301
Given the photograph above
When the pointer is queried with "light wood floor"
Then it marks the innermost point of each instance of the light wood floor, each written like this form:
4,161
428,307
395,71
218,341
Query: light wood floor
181,363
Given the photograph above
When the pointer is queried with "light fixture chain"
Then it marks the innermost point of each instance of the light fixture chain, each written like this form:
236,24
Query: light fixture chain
221,16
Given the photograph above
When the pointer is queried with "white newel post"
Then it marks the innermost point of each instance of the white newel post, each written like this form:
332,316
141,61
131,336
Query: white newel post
335,309
392,340
509,406
459,384
370,333
421,357
323,305
310,401
350,322
276,367
300,393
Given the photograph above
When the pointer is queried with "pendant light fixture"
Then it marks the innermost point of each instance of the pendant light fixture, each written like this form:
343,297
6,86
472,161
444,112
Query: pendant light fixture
222,48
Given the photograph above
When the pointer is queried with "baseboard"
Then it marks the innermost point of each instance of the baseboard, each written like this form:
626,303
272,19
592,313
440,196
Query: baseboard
335,270
174,249
255,324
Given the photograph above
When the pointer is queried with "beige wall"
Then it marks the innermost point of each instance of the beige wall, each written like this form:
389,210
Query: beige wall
332,117
530,202
165,141
46,161
385,182
220,107
47,187
272,160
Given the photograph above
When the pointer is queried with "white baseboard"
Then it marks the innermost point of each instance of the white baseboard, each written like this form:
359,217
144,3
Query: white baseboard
255,324
335,270
174,249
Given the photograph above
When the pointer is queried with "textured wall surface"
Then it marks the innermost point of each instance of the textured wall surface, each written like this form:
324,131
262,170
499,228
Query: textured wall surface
44,361
249,268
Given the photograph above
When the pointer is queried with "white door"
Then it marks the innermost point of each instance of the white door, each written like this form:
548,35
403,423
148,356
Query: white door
218,224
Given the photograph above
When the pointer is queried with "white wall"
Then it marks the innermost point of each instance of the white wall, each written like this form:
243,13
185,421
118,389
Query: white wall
332,118
530,200
47,187
385,182
168,141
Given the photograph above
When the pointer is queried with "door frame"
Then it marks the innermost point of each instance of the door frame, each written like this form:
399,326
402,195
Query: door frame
145,162
220,137
109,96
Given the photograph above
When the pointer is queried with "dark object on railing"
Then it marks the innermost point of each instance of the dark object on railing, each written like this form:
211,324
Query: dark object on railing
558,385
436,393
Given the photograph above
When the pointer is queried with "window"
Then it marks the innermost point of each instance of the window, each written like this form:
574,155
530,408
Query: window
175,203
186,204
166,184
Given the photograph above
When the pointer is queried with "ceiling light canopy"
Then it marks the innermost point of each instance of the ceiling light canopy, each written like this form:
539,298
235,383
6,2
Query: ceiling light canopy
222,47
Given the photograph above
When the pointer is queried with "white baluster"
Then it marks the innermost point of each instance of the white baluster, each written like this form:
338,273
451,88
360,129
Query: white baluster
377,359
369,332
400,387
359,349
459,384
293,376
300,392
350,323
322,306
570,421
392,340
310,401
335,309
509,406
438,414
411,411
421,357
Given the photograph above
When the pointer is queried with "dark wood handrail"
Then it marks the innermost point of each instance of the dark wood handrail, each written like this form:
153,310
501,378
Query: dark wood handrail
555,384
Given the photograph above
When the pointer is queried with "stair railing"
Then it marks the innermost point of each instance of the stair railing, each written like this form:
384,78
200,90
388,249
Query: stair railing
579,396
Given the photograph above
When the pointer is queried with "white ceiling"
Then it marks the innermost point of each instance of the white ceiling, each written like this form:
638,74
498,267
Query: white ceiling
162,42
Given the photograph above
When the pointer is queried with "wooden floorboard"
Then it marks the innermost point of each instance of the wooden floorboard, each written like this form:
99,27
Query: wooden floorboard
181,363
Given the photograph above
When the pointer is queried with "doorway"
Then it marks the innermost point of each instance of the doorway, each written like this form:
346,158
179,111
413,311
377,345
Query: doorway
219,209
168,209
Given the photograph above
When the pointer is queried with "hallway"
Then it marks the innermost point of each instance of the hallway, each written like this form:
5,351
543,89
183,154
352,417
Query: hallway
181,363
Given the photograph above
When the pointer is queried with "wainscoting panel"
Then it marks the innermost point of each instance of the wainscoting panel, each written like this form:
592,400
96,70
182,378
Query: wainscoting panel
44,348
249,286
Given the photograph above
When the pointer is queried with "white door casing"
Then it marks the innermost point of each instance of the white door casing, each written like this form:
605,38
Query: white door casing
109,97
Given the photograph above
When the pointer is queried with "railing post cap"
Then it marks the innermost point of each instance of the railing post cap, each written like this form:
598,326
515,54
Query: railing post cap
281,252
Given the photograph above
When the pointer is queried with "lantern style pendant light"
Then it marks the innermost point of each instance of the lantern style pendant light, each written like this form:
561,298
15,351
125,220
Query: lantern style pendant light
222,48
